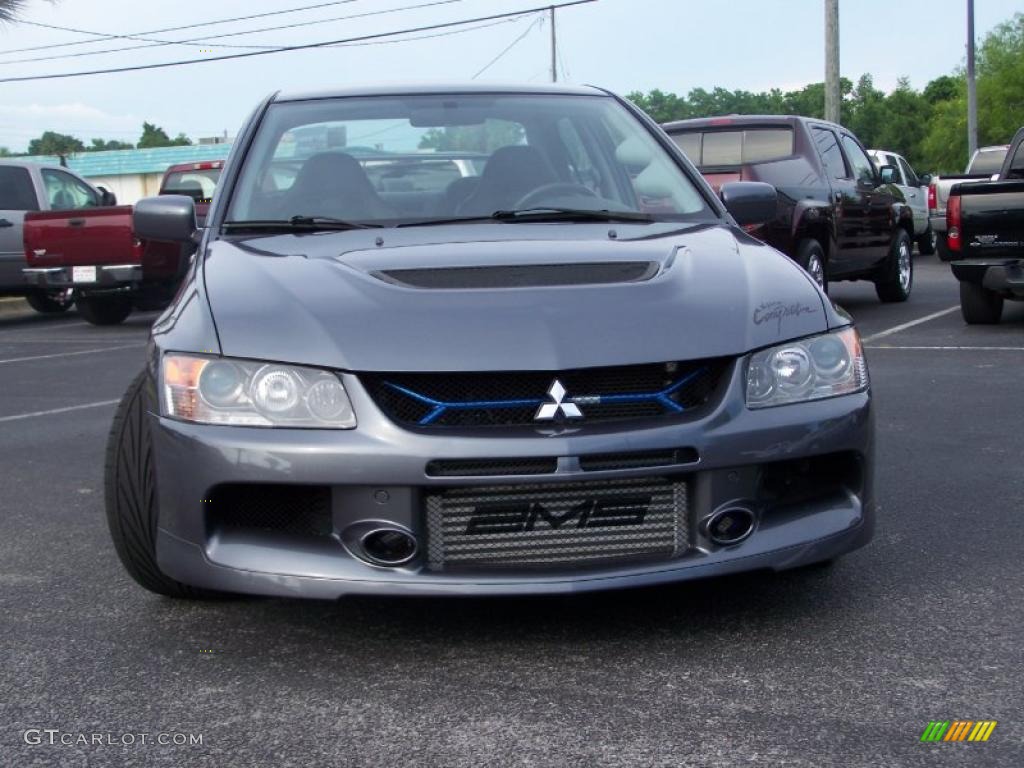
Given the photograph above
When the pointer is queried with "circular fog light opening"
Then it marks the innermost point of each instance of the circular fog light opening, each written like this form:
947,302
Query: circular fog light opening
730,526
389,546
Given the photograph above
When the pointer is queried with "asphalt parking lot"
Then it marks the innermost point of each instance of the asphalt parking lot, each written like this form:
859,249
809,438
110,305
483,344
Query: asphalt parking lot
844,665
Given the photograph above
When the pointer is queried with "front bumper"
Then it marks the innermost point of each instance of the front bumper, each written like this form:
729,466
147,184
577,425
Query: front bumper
104,277
1004,276
378,472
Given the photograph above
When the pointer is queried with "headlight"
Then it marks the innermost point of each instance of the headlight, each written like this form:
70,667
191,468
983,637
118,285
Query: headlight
251,393
810,369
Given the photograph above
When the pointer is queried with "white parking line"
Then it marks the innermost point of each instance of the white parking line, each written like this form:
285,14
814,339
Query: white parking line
69,354
955,349
911,324
32,415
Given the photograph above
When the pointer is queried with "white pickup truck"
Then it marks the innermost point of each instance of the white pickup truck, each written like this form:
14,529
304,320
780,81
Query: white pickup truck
29,187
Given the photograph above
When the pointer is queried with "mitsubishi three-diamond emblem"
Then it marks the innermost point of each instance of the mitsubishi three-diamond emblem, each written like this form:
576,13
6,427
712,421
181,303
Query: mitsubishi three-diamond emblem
548,411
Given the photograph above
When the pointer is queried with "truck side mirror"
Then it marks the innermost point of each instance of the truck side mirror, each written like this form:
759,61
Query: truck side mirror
750,202
887,174
925,179
169,218
107,197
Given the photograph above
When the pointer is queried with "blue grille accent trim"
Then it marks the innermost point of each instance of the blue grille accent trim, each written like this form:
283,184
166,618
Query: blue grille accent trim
438,407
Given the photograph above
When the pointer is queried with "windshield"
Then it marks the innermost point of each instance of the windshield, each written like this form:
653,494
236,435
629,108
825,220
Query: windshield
400,160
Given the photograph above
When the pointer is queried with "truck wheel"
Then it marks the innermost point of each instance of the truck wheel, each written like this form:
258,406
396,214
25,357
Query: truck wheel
980,306
130,494
811,256
927,242
50,303
941,248
898,272
104,310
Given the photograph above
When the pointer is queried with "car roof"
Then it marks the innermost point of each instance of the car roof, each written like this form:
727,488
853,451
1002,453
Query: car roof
15,162
426,89
724,120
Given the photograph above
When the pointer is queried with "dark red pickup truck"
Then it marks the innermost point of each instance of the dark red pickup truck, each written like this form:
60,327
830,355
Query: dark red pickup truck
93,251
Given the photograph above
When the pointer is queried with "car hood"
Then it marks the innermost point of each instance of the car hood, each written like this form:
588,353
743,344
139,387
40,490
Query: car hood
506,297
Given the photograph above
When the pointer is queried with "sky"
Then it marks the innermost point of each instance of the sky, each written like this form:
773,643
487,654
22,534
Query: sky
624,45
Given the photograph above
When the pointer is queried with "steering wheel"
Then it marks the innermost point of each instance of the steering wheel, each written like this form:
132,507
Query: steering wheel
532,198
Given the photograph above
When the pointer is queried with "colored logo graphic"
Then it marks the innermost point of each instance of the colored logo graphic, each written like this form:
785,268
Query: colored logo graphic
958,730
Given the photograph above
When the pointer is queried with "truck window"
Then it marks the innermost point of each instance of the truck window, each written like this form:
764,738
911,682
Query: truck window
714,149
16,190
66,193
831,157
908,174
863,170
198,185
1016,170
987,161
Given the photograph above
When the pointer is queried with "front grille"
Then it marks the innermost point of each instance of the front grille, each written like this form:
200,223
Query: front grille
602,462
556,525
483,467
294,509
512,398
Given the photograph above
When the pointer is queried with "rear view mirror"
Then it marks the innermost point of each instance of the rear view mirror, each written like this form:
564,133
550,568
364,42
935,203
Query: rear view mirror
107,197
887,174
750,202
170,218
925,179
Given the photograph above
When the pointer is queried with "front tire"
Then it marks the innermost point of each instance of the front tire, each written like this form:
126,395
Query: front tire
897,277
130,494
50,303
927,243
980,306
104,310
811,256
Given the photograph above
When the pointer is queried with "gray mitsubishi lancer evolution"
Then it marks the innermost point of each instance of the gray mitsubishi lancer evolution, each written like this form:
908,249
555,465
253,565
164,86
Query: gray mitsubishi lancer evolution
482,340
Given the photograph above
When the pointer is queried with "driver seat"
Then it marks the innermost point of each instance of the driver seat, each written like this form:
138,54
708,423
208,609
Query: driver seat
510,173
335,184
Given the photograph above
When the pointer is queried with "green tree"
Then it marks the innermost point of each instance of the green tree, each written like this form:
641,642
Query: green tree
486,137
1000,81
155,136
99,145
59,144
5,152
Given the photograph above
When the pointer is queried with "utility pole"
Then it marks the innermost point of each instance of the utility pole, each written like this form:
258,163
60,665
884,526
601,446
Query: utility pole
833,94
554,48
972,92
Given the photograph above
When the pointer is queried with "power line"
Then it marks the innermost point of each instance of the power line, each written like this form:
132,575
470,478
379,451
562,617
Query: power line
508,48
306,46
199,42
105,36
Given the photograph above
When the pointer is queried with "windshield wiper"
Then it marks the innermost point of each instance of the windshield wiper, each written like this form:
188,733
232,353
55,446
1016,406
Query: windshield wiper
300,223
542,213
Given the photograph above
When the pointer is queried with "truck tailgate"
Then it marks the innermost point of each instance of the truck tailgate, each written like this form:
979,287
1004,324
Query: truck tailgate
81,237
992,219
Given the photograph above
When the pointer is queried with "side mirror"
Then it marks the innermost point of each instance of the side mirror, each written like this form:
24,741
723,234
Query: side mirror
167,217
107,197
750,202
925,179
888,174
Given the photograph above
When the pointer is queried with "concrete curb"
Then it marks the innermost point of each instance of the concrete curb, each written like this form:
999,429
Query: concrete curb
14,306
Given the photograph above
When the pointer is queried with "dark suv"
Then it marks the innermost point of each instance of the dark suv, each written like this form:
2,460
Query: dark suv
839,217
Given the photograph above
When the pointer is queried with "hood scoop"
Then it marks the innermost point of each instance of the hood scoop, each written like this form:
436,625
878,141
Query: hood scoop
521,275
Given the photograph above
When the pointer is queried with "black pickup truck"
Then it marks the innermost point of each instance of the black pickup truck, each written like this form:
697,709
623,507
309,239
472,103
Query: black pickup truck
985,234
839,217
